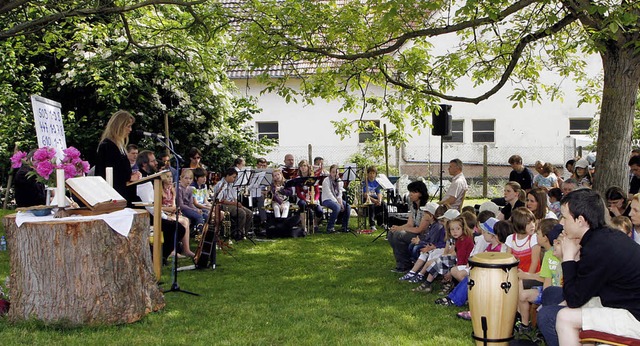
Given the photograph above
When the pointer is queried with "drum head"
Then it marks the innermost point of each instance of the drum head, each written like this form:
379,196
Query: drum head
494,259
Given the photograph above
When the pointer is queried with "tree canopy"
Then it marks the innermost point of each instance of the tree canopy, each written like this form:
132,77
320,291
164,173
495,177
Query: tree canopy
153,61
392,44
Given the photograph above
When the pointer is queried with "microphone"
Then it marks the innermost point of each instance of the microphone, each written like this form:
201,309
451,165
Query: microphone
149,134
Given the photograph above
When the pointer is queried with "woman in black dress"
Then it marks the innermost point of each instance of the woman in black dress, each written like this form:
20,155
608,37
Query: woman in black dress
112,153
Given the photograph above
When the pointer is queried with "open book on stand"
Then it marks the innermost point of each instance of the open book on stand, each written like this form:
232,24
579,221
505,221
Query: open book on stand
96,194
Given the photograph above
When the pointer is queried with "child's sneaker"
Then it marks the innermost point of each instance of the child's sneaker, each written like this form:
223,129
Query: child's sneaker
417,279
408,276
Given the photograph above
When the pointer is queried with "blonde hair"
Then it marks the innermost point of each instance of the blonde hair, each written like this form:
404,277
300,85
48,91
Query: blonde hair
186,172
622,223
466,231
304,162
116,129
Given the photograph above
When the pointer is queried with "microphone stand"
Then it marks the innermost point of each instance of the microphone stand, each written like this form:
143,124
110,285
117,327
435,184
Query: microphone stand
175,287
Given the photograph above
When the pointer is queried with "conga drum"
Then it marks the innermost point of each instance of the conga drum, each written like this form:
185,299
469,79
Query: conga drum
493,297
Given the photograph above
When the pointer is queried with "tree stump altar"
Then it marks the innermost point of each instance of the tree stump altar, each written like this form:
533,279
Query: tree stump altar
81,272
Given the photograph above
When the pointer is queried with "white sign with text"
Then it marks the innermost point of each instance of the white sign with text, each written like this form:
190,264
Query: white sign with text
48,121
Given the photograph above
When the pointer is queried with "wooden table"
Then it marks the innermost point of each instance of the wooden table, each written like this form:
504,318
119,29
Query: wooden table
81,272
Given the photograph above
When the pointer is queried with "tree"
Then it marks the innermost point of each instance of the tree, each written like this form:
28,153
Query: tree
353,44
155,61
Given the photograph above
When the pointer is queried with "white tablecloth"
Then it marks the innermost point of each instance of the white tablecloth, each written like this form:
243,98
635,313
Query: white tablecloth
120,221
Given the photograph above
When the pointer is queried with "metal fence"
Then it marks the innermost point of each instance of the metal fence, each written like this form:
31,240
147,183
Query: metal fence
485,166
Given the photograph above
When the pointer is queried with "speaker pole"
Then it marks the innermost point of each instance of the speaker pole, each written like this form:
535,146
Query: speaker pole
441,169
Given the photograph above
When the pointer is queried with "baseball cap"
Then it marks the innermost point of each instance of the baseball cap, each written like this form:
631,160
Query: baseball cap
582,163
450,214
554,233
490,206
430,208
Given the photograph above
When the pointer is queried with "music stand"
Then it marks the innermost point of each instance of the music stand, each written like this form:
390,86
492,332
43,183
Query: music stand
175,287
242,181
386,184
349,174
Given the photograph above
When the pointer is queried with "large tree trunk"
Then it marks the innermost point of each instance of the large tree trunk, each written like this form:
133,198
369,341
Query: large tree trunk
621,78
81,272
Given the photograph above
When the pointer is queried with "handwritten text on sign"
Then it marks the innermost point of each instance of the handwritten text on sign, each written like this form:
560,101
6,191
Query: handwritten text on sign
49,126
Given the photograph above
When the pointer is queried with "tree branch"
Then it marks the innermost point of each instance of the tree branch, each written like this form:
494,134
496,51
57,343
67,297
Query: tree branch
31,25
396,43
515,56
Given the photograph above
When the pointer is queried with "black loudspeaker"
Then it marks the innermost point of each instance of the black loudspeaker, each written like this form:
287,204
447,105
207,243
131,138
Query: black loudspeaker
441,121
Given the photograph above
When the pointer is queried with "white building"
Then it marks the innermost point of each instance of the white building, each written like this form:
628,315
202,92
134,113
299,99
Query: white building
549,131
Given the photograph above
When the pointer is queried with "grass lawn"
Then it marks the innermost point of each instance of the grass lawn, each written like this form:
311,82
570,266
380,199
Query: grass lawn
320,290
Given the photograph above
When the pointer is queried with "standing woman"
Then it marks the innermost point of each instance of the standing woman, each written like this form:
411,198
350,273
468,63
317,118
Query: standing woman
512,193
112,153
400,236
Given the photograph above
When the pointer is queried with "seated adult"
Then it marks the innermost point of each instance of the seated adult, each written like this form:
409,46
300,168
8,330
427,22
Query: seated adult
537,202
28,191
400,235
634,215
512,194
147,164
458,188
634,183
617,201
600,267
332,188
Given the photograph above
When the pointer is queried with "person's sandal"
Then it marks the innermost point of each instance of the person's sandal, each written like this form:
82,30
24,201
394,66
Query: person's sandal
445,301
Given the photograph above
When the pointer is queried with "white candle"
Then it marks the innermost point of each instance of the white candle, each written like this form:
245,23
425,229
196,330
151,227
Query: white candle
109,175
60,188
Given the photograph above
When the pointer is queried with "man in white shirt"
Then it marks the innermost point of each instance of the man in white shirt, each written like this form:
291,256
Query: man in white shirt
455,194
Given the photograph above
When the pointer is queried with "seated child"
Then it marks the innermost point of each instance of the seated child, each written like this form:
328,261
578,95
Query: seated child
555,195
200,191
623,224
280,195
169,207
196,215
494,233
432,251
550,273
430,243
456,253
523,243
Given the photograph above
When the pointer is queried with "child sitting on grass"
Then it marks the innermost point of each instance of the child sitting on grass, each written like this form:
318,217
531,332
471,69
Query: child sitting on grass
494,233
623,224
430,253
548,274
523,244
456,253
432,240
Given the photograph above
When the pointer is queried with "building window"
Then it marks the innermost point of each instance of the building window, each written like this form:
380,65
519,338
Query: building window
483,131
367,133
268,130
579,126
457,133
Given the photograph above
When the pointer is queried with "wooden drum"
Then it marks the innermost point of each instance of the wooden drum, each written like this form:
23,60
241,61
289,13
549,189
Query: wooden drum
493,297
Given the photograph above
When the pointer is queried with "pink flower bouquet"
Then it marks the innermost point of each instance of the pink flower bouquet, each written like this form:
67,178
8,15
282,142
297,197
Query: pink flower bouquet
44,164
